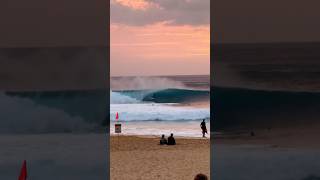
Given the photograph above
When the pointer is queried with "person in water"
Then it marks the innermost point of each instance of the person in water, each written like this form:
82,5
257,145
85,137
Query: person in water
171,140
163,140
204,128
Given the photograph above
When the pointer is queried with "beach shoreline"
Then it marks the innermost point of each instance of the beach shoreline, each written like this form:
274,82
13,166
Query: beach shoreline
157,136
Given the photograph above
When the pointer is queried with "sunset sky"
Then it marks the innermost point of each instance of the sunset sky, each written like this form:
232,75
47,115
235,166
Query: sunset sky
160,37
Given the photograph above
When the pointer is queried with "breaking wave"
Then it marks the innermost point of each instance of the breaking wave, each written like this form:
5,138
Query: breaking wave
159,96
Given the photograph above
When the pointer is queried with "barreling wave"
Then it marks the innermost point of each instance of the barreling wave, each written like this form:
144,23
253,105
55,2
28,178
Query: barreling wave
250,108
160,96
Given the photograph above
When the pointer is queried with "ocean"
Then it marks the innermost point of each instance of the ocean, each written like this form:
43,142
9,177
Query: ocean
71,111
273,90
265,86
160,105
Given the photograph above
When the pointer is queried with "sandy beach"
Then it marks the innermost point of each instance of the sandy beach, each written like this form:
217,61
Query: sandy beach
277,153
141,157
290,137
54,156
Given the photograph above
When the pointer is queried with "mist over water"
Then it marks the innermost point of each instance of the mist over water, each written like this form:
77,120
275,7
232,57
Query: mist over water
118,98
140,83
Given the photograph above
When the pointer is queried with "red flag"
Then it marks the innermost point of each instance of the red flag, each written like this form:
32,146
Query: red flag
117,116
23,172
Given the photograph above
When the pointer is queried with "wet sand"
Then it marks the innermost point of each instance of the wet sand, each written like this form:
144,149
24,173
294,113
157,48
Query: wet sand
141,157
293,137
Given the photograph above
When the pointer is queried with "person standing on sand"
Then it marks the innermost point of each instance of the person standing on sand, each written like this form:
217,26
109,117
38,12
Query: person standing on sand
204,128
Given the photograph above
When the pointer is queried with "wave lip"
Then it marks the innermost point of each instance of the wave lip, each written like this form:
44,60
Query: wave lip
170,95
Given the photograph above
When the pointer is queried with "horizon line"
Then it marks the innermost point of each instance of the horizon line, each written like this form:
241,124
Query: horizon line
159,75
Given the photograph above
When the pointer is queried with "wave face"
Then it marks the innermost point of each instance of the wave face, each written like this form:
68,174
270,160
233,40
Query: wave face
53,111
249,108
159,96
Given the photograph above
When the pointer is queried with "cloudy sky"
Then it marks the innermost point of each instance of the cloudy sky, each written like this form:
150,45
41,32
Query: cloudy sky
53,23
159,37
53,44
252,21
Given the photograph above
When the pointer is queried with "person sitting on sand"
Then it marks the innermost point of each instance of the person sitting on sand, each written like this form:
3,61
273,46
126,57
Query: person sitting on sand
163,140
204,128
171,140
200,177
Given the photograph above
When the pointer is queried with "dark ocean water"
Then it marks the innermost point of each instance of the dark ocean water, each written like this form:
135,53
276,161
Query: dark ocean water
53,111
87,104
248,108
265,85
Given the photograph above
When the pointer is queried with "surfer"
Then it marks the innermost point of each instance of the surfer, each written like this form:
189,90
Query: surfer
204,128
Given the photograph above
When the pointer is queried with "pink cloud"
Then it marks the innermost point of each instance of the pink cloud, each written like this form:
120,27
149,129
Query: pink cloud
136,4
185,48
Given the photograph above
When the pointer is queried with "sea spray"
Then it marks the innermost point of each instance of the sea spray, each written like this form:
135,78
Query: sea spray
139,83
118,98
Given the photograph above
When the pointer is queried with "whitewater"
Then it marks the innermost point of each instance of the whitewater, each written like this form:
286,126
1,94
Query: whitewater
161,111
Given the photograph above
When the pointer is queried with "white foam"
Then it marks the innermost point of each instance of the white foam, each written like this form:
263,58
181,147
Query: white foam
154,111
